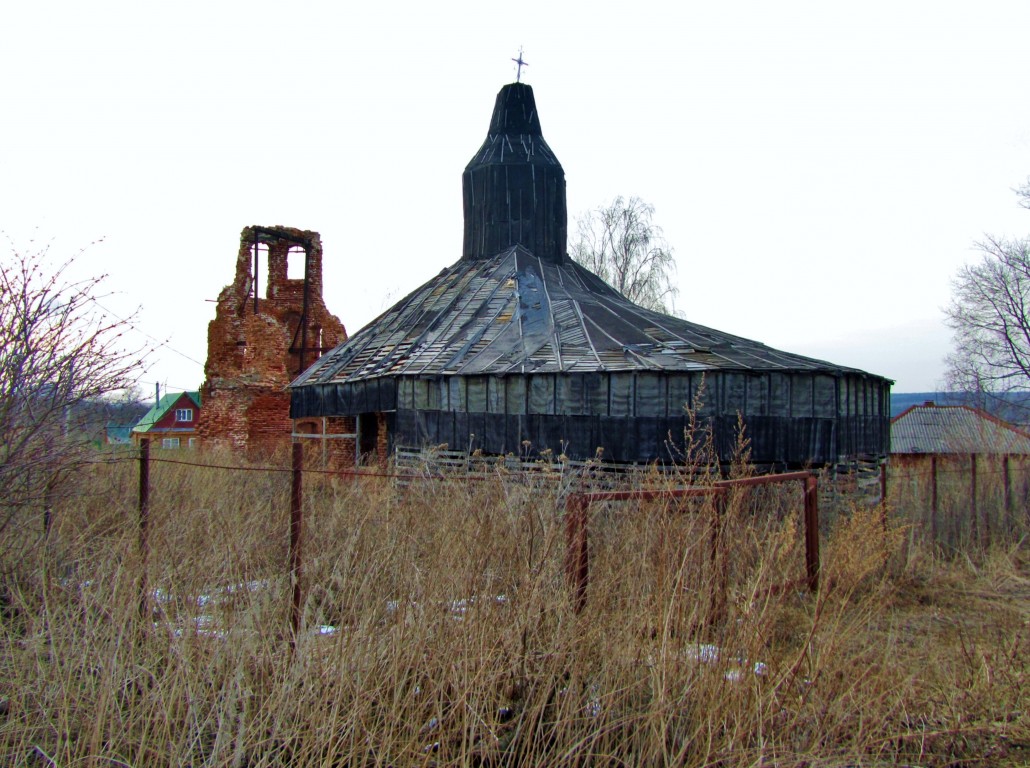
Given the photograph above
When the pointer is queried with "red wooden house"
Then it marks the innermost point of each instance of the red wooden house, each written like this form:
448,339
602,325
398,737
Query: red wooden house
171,423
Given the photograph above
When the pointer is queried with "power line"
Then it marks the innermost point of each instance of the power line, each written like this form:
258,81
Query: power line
161,344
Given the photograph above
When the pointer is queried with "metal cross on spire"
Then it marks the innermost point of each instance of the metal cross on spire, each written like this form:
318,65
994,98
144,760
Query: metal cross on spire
521,64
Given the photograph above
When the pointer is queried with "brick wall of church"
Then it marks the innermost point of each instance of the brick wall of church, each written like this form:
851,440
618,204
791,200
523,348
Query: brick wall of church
249,359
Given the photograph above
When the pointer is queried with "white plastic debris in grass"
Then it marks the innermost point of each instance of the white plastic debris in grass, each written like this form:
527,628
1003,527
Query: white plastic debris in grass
220,594
200,626
707,653
458,608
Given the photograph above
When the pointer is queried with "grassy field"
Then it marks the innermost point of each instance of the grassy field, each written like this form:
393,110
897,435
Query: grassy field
438,629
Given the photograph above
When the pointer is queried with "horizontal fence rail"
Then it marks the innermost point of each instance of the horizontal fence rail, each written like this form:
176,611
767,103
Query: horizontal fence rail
958,493
577,559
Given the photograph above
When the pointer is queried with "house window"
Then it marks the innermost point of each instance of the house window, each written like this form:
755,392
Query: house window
170,442
192,442
184,414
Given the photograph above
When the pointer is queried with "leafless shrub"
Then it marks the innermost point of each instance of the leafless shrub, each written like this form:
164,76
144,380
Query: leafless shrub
59,352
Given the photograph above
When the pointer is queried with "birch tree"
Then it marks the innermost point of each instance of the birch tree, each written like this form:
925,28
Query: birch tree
621,244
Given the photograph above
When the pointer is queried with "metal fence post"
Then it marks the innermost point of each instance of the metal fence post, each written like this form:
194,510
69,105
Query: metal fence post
812,531
883,493
974,513
1006,478
577,558
933,498
883,483
718,604
48,510
144,522
987,523
296,532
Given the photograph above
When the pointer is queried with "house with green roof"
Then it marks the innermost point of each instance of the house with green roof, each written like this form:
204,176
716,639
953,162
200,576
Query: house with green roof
171,422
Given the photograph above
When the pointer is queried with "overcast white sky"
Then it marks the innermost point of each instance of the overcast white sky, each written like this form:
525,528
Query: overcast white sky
821,170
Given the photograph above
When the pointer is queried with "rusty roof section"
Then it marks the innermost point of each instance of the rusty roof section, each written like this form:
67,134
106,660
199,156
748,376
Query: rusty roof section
519,314
940,429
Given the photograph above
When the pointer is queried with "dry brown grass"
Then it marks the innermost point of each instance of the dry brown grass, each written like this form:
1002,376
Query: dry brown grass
454,640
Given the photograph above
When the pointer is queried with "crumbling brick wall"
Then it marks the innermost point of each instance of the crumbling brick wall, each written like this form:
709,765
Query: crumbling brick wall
254,352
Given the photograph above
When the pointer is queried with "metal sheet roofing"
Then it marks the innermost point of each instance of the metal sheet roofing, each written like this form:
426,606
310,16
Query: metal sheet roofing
936,429
518,314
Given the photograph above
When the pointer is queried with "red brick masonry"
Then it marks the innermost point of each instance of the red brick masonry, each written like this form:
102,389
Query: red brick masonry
252,357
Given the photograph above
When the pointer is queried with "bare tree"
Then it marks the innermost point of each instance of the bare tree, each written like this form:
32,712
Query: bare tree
59,352
621,244
1023,193
990,316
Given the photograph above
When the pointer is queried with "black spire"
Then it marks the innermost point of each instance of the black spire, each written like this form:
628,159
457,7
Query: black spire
514,188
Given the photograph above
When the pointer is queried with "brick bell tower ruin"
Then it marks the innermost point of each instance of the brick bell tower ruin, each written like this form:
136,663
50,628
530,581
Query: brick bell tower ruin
257,345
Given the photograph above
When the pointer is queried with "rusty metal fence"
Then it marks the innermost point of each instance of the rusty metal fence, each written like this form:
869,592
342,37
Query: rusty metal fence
579,507
962,501
968,503
577,521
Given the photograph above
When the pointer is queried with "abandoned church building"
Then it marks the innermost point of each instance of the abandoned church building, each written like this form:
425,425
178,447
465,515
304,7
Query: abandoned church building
516,345
257,345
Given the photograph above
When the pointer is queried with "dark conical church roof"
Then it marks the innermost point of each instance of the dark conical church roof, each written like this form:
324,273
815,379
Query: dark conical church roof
514,188
516,342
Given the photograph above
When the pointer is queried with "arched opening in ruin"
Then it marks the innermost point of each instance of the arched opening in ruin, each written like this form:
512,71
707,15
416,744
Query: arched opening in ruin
296,260
258,261
316,342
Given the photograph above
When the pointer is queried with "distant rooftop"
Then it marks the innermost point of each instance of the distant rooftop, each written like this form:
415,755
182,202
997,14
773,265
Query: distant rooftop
937,429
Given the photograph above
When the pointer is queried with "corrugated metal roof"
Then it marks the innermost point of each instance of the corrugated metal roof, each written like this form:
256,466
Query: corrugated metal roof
516,313
954,429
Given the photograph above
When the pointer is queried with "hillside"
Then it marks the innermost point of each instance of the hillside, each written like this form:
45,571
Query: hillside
1010,406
